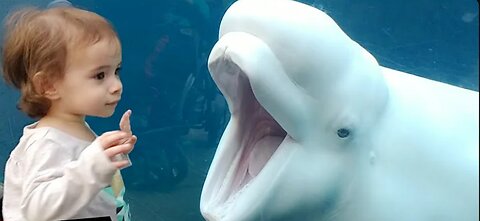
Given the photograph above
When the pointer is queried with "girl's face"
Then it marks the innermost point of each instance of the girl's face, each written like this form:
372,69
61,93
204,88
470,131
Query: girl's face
91,85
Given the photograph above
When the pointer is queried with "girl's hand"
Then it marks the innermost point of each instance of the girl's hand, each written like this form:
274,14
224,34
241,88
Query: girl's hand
112,143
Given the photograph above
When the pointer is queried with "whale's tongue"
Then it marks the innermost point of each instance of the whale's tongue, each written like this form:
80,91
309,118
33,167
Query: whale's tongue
254,159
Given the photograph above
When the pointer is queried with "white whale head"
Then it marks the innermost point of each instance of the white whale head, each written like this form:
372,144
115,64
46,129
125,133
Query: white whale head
302,97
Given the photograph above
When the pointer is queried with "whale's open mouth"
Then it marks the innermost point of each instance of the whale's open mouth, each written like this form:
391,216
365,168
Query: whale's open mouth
261,136
256,136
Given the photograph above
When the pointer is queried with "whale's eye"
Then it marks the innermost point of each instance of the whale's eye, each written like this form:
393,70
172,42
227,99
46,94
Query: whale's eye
343,132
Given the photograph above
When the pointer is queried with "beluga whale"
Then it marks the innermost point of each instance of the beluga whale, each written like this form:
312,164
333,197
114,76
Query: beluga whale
320,131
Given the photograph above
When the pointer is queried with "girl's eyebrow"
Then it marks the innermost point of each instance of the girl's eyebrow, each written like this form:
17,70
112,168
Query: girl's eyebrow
101,67
106,66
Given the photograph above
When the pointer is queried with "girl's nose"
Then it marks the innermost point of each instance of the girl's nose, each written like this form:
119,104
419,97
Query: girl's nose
116,87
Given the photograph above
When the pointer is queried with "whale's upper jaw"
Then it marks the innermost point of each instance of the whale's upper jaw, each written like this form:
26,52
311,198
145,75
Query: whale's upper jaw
251,138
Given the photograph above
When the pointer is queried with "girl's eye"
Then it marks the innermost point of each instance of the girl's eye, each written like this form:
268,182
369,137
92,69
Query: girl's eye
117,71
100,76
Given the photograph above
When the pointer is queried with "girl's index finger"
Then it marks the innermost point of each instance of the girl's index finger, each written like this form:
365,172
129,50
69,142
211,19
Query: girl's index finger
125,122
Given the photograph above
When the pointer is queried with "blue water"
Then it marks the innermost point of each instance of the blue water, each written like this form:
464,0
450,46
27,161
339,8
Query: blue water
178,113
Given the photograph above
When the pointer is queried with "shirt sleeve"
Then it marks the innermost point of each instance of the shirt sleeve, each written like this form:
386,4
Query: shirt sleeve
56,186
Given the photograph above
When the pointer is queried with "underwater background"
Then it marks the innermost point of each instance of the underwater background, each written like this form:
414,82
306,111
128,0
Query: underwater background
178,113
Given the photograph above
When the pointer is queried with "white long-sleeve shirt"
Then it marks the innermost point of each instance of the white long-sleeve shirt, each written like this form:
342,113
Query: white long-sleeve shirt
51,175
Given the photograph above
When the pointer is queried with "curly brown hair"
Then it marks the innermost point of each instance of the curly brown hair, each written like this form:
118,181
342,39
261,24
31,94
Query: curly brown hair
36,47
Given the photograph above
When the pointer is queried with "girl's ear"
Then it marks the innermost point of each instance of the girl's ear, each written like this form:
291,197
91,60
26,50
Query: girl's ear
45,86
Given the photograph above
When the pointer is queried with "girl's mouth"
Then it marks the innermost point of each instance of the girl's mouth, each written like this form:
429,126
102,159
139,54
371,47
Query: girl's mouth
112,103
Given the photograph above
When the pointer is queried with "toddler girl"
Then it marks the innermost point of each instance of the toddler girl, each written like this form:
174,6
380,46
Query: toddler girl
66,63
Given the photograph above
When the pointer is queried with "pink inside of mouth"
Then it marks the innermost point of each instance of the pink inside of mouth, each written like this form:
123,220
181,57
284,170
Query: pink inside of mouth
261,137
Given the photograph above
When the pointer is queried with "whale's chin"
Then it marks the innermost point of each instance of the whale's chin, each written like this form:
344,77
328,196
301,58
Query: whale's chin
257,137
